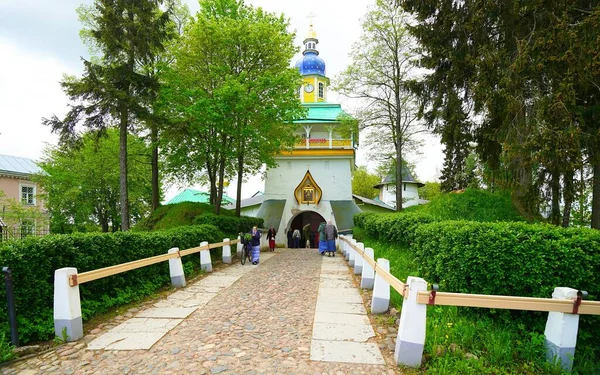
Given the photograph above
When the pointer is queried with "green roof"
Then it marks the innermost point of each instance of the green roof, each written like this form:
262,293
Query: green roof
198,196
322,112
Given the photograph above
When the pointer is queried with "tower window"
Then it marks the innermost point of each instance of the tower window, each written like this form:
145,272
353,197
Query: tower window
321,90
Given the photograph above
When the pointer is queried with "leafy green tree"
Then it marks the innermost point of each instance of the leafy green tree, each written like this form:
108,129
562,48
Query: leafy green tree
378,76
363,183
81,182
430,191
230,95
21,220
127,34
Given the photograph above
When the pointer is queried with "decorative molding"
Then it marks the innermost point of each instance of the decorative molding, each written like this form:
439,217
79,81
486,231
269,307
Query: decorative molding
308,192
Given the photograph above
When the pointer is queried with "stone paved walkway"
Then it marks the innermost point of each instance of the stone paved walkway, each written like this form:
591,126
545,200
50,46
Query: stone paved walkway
261,324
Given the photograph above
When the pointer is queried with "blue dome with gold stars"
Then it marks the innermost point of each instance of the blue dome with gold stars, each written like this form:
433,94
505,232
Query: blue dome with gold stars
311,63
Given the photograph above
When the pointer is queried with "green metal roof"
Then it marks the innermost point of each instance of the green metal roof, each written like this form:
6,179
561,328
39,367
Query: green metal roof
271,211
322,112
344,212
198,196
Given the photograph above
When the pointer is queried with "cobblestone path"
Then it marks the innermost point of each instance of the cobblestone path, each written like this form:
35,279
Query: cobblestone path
262,324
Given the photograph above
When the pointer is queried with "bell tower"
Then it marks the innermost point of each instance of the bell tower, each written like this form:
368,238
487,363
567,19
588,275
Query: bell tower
312,67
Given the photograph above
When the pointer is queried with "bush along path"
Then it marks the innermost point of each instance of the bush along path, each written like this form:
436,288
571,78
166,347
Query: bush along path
249,320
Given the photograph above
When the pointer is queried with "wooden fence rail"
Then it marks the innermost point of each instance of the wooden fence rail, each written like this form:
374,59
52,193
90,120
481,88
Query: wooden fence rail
85,277
561,328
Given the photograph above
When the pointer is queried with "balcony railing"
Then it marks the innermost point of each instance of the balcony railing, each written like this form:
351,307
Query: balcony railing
308,143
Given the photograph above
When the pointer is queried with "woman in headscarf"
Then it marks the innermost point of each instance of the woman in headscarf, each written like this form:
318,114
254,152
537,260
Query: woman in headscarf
322,240
255,256
271,237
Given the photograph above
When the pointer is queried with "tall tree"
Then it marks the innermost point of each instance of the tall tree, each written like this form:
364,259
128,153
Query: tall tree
378,76
363,183
128,34
81,182
230,94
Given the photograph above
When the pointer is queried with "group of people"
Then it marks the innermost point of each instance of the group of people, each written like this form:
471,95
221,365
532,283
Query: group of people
327,233
327,236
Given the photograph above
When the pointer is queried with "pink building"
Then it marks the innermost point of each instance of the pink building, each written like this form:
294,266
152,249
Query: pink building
22,211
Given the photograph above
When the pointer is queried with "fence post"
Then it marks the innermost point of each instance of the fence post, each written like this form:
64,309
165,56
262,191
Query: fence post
368,274
10,300
381,289
226,252
348,249
358,260
176,269
352,253
239,247
205,261
342,243
67,305
561,332
411,332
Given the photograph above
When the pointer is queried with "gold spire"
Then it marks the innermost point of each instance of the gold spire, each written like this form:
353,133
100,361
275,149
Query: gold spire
312,34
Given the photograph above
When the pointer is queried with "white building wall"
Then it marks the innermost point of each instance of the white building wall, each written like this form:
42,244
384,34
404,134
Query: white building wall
333,176
387,194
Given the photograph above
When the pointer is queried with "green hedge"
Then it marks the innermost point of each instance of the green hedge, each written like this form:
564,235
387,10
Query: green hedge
508,258
395,227
232,225
34,260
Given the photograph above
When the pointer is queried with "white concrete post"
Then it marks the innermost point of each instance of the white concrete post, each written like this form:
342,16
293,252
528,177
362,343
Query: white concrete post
342,244
380,301
239,247
358,261
67,305
561,332
205,261
352,253
176,269
411,332
226,252
368,274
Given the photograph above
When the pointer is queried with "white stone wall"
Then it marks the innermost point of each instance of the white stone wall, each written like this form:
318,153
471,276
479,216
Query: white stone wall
333,177
387,194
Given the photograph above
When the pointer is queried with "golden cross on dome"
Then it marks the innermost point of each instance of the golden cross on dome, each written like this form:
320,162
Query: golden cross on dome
311,16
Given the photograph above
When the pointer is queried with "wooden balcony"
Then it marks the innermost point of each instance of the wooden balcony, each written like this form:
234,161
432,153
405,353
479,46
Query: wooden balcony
324,143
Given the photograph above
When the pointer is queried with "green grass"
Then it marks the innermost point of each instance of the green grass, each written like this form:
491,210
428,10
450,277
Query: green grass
175,215
458,342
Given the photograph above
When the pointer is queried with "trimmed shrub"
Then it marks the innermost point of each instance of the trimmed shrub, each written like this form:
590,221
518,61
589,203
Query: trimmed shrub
34,260
175,215
472,204
231,225
395,227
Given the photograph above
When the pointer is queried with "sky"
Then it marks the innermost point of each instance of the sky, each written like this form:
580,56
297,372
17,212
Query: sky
39,44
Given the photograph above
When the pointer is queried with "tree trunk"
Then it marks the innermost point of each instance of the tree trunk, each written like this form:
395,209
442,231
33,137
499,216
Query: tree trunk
398,179
124,194
596,193
221,185
155,186
240,176
568,195
555,203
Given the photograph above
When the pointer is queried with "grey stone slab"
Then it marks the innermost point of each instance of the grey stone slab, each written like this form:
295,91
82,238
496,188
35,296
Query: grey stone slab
336,283
335,276
349,352
146,325
348,308
342,332
341,318
167,312
217,281
340,297
127,340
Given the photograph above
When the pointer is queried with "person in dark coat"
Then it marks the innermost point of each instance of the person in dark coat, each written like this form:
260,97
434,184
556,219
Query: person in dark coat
271,237
330,235
255,255
289,237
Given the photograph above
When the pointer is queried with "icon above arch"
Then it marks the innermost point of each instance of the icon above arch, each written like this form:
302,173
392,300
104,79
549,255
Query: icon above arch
308,192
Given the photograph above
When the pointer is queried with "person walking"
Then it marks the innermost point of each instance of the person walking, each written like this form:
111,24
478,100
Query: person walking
322,239
271,237
255,255
330,235
296,237
290,241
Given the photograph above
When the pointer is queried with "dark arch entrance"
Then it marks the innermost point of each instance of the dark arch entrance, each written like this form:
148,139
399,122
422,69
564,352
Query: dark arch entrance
304,218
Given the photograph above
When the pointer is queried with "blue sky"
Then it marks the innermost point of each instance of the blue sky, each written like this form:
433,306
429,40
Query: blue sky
39,43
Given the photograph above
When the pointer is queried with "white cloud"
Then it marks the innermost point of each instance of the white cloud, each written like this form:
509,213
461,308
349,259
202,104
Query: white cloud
29,90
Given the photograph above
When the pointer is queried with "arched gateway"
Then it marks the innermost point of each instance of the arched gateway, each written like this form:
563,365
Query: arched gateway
304,218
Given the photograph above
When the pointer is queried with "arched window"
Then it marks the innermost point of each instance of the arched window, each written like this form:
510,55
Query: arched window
321,90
